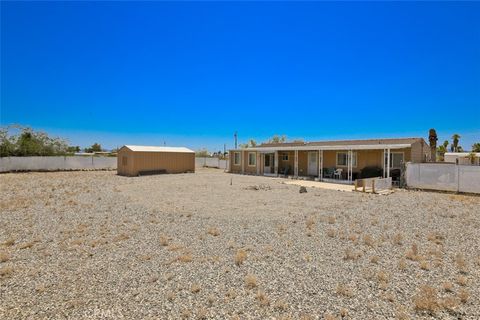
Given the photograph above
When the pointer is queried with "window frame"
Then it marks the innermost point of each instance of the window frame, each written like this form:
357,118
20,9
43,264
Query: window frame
287,156
254,159
235,154
354,159
391,159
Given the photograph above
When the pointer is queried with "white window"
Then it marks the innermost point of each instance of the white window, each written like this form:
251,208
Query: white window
236,158
396,159
284,156
252,159
342,159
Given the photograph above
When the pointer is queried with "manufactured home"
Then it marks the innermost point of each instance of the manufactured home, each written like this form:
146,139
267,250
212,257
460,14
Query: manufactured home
141,160
343,160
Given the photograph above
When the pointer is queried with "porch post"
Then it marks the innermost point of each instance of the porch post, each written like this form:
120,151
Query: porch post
242,156
388,162
275,163
321,165
295,165
383,162
258,162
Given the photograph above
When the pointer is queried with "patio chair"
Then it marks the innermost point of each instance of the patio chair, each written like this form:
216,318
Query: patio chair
338,173
328,173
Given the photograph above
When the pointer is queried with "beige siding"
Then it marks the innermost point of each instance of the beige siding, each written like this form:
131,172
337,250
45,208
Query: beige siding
420,151
171,162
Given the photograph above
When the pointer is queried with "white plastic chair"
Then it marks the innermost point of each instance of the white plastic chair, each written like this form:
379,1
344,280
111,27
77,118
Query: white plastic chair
338,173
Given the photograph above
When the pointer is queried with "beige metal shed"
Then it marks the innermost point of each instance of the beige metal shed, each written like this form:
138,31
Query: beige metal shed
138,160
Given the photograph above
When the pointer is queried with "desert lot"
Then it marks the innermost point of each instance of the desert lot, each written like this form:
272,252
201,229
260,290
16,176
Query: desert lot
213,245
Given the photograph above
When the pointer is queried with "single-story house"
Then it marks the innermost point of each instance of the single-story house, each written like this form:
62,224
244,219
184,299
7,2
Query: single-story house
138,160
462,158
342,159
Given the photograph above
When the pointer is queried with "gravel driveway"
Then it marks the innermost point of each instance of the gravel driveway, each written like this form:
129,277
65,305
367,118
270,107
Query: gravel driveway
213,245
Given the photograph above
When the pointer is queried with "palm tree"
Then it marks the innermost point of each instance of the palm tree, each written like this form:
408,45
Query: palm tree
442,149
455,138
432,138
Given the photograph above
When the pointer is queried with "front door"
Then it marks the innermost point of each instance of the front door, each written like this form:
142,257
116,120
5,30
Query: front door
312,163
267,165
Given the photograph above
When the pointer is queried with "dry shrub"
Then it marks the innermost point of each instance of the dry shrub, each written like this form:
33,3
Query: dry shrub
447,286
426,300
402,264
389,297
463,295
6,272
4,256
185,314
382,276
412,254
344,290
184,258
329,316
424,265
450,303
213,231
202,313
9,242
351,254
343,312
27,245
281,305
195,288
375,259
163,241
353,237
240,257
435,237
231,294
310,223
368,240
250,281
331,233
398,239
462,280
282,229
461,263
331,219
262,298
121,237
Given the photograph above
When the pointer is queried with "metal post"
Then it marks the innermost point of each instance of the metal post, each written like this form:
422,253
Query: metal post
275,164
321,166
295,164
243,160
388,163
383,160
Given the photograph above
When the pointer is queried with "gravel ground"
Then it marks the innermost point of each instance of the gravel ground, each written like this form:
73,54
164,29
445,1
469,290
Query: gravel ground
213,245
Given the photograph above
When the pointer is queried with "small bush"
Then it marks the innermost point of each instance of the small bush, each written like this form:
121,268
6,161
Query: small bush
240,257
426,300
250,281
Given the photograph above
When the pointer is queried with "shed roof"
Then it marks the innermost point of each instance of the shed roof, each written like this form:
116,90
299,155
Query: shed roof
159,149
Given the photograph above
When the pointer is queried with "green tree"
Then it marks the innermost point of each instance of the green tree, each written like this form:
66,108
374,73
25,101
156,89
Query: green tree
455,139
96,147
251,144
202,153
29,143
476,147
277,139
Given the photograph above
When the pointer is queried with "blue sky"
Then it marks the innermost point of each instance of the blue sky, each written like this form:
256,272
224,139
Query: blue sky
194,73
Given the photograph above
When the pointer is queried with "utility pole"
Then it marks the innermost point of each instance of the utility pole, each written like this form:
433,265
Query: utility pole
235,135
224,148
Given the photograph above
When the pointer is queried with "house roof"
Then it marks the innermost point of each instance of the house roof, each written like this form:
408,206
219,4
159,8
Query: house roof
396,143
159,149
